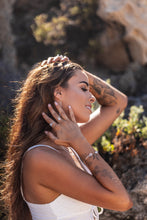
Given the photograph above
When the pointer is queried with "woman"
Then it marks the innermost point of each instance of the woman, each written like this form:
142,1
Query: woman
52,171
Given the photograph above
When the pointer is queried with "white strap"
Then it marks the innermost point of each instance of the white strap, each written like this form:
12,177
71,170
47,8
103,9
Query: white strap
35,146
81,162
41,145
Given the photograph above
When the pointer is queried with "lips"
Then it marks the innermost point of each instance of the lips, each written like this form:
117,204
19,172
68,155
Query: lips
89,108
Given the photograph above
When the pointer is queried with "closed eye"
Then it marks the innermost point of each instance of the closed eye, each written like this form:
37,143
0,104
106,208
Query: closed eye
84,89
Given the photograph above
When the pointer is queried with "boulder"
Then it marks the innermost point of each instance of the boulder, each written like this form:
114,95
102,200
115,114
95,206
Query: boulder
132,15
128,83
133,173
6,36
112,53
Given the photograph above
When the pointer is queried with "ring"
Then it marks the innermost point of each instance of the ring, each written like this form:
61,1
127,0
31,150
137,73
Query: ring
51,124
59,118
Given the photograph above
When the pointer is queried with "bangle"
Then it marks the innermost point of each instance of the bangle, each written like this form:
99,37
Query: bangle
90,155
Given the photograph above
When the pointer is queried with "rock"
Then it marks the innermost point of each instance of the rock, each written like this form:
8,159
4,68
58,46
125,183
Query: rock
8,59
8,86
144,102
125,82
132,15
132,171
128,83
6,36
112,53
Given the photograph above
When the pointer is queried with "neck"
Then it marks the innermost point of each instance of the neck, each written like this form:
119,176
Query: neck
52,144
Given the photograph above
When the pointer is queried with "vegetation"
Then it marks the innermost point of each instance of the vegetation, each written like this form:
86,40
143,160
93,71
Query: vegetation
4,129
64,26
125,134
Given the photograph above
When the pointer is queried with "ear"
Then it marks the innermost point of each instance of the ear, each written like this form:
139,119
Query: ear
58,93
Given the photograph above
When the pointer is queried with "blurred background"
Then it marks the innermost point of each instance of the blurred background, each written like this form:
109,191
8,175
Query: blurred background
109,39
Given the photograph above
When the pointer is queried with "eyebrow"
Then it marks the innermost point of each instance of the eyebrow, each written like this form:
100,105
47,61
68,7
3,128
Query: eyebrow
84,82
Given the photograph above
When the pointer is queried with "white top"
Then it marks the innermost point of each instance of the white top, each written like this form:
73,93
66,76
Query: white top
63,207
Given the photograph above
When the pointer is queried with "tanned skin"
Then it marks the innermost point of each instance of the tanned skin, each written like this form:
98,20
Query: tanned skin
102,188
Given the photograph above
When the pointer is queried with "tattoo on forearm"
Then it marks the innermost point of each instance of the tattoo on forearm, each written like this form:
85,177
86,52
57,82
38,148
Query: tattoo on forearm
118,111
104,173
92,157
96,170
106,93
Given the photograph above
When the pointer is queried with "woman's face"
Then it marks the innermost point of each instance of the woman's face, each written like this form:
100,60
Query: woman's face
77,95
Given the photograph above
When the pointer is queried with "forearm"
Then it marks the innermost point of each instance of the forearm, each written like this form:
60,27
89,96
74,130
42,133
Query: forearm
99,168
113,189
105,94
112,102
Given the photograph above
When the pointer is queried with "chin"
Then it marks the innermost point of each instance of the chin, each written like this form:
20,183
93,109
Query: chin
82,119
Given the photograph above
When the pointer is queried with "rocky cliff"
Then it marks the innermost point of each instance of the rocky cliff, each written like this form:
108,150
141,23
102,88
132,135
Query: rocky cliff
111,36
131,44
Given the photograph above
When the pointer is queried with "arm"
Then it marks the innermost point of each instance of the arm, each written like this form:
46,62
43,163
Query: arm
103,188
112,104
54,172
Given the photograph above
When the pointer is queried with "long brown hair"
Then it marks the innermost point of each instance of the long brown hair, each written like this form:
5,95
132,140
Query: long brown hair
28,126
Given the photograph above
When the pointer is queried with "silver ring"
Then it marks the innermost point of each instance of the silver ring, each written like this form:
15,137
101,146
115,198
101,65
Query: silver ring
51,124
59,118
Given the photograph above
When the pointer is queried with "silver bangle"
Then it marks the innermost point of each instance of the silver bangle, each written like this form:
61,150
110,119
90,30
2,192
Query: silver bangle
90,155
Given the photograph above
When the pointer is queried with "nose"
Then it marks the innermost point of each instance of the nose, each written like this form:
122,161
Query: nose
92,98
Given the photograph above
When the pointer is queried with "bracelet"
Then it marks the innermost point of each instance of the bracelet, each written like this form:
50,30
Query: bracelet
90,155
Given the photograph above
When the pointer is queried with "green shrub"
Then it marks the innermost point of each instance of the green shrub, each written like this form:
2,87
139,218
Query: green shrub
52,32
125,134
64,26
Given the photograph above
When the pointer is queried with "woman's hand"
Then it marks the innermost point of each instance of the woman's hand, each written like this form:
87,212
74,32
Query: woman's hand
58,58
65,131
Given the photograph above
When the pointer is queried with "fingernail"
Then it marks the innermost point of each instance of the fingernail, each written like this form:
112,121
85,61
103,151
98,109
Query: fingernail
48,60
69,106
56,103
46,132
43,113
43,62
49,105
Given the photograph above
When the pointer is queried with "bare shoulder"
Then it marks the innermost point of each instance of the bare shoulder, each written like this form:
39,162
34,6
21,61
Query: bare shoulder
38,156
38,165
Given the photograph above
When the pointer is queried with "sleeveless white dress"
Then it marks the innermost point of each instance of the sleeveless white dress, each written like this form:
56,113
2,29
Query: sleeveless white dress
63,207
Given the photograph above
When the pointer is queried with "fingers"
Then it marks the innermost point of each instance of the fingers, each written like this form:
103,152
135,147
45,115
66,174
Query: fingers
71,114
50,121
64,58
60,58
58,117
61,112
54,113
51,136
55,139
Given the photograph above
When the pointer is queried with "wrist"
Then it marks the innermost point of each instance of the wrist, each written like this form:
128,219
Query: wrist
78,141
82,147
